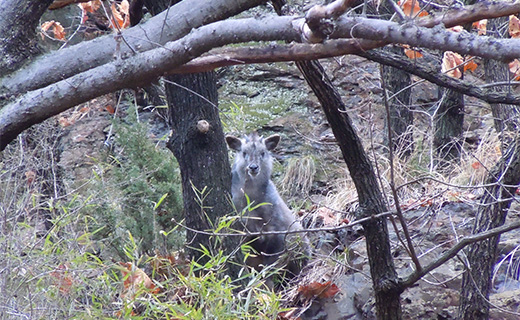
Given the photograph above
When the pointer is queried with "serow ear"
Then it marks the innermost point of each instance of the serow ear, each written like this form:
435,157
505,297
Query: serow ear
234,143
272,141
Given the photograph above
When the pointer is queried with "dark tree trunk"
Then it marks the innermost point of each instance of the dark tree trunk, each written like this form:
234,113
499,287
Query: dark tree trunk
18,22
401,117
398,87
382,270
202,156
476,282
505,116
448,122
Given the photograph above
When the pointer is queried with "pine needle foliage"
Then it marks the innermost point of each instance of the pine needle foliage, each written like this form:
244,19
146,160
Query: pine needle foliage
138,191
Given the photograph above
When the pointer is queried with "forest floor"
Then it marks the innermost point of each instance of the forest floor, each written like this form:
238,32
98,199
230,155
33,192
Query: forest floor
312,177
438,215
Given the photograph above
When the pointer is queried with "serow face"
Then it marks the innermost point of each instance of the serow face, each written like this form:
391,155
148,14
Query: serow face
253,155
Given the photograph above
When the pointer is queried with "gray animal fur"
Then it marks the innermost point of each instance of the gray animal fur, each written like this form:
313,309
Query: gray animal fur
251,176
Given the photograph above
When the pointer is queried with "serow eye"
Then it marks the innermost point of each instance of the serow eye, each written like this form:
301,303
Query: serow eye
262,154
244,154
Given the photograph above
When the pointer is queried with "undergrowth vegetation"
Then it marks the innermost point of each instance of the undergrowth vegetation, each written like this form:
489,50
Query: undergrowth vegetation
108,250
137,190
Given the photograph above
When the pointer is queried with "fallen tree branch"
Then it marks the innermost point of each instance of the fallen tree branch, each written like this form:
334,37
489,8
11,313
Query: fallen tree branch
138,70
178,21
73,60
142,68
440,79
300,51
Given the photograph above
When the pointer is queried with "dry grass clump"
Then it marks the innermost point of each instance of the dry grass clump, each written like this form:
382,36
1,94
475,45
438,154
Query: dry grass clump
299,176
476,163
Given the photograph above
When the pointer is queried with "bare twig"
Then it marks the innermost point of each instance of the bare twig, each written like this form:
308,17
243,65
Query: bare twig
265,233
416,275
410,248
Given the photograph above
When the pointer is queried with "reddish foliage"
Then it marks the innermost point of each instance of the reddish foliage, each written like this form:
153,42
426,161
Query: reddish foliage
319,290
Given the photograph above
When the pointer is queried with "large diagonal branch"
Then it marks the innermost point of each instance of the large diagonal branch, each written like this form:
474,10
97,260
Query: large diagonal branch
175,23
138,70
441,79
433,38
299,51
157,31
141,68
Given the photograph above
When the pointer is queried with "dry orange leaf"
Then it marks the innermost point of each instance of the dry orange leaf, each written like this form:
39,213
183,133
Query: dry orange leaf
90,6
64,122
470,65
514,27
450,63
319,290
86,7
134,278
476,165
62,278
412,54
514,68
120,15
411,8
456,29
110,109
481,26
427,203
56,28
84,109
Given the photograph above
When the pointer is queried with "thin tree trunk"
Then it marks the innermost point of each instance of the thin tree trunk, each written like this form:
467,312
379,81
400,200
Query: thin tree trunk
505,176
401,117
476,281
202,155
398,85
382,269
448,122
505,116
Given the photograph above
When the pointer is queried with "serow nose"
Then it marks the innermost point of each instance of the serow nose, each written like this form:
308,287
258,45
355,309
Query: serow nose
253,168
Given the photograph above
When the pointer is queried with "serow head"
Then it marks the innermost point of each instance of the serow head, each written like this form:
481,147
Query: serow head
253,154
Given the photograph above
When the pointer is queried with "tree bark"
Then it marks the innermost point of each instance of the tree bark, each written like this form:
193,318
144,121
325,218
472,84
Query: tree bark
198,144
401,117
506,117
448,121
18,22
156,32
505,176
202,156
68,88
476,281
397,82
382,269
